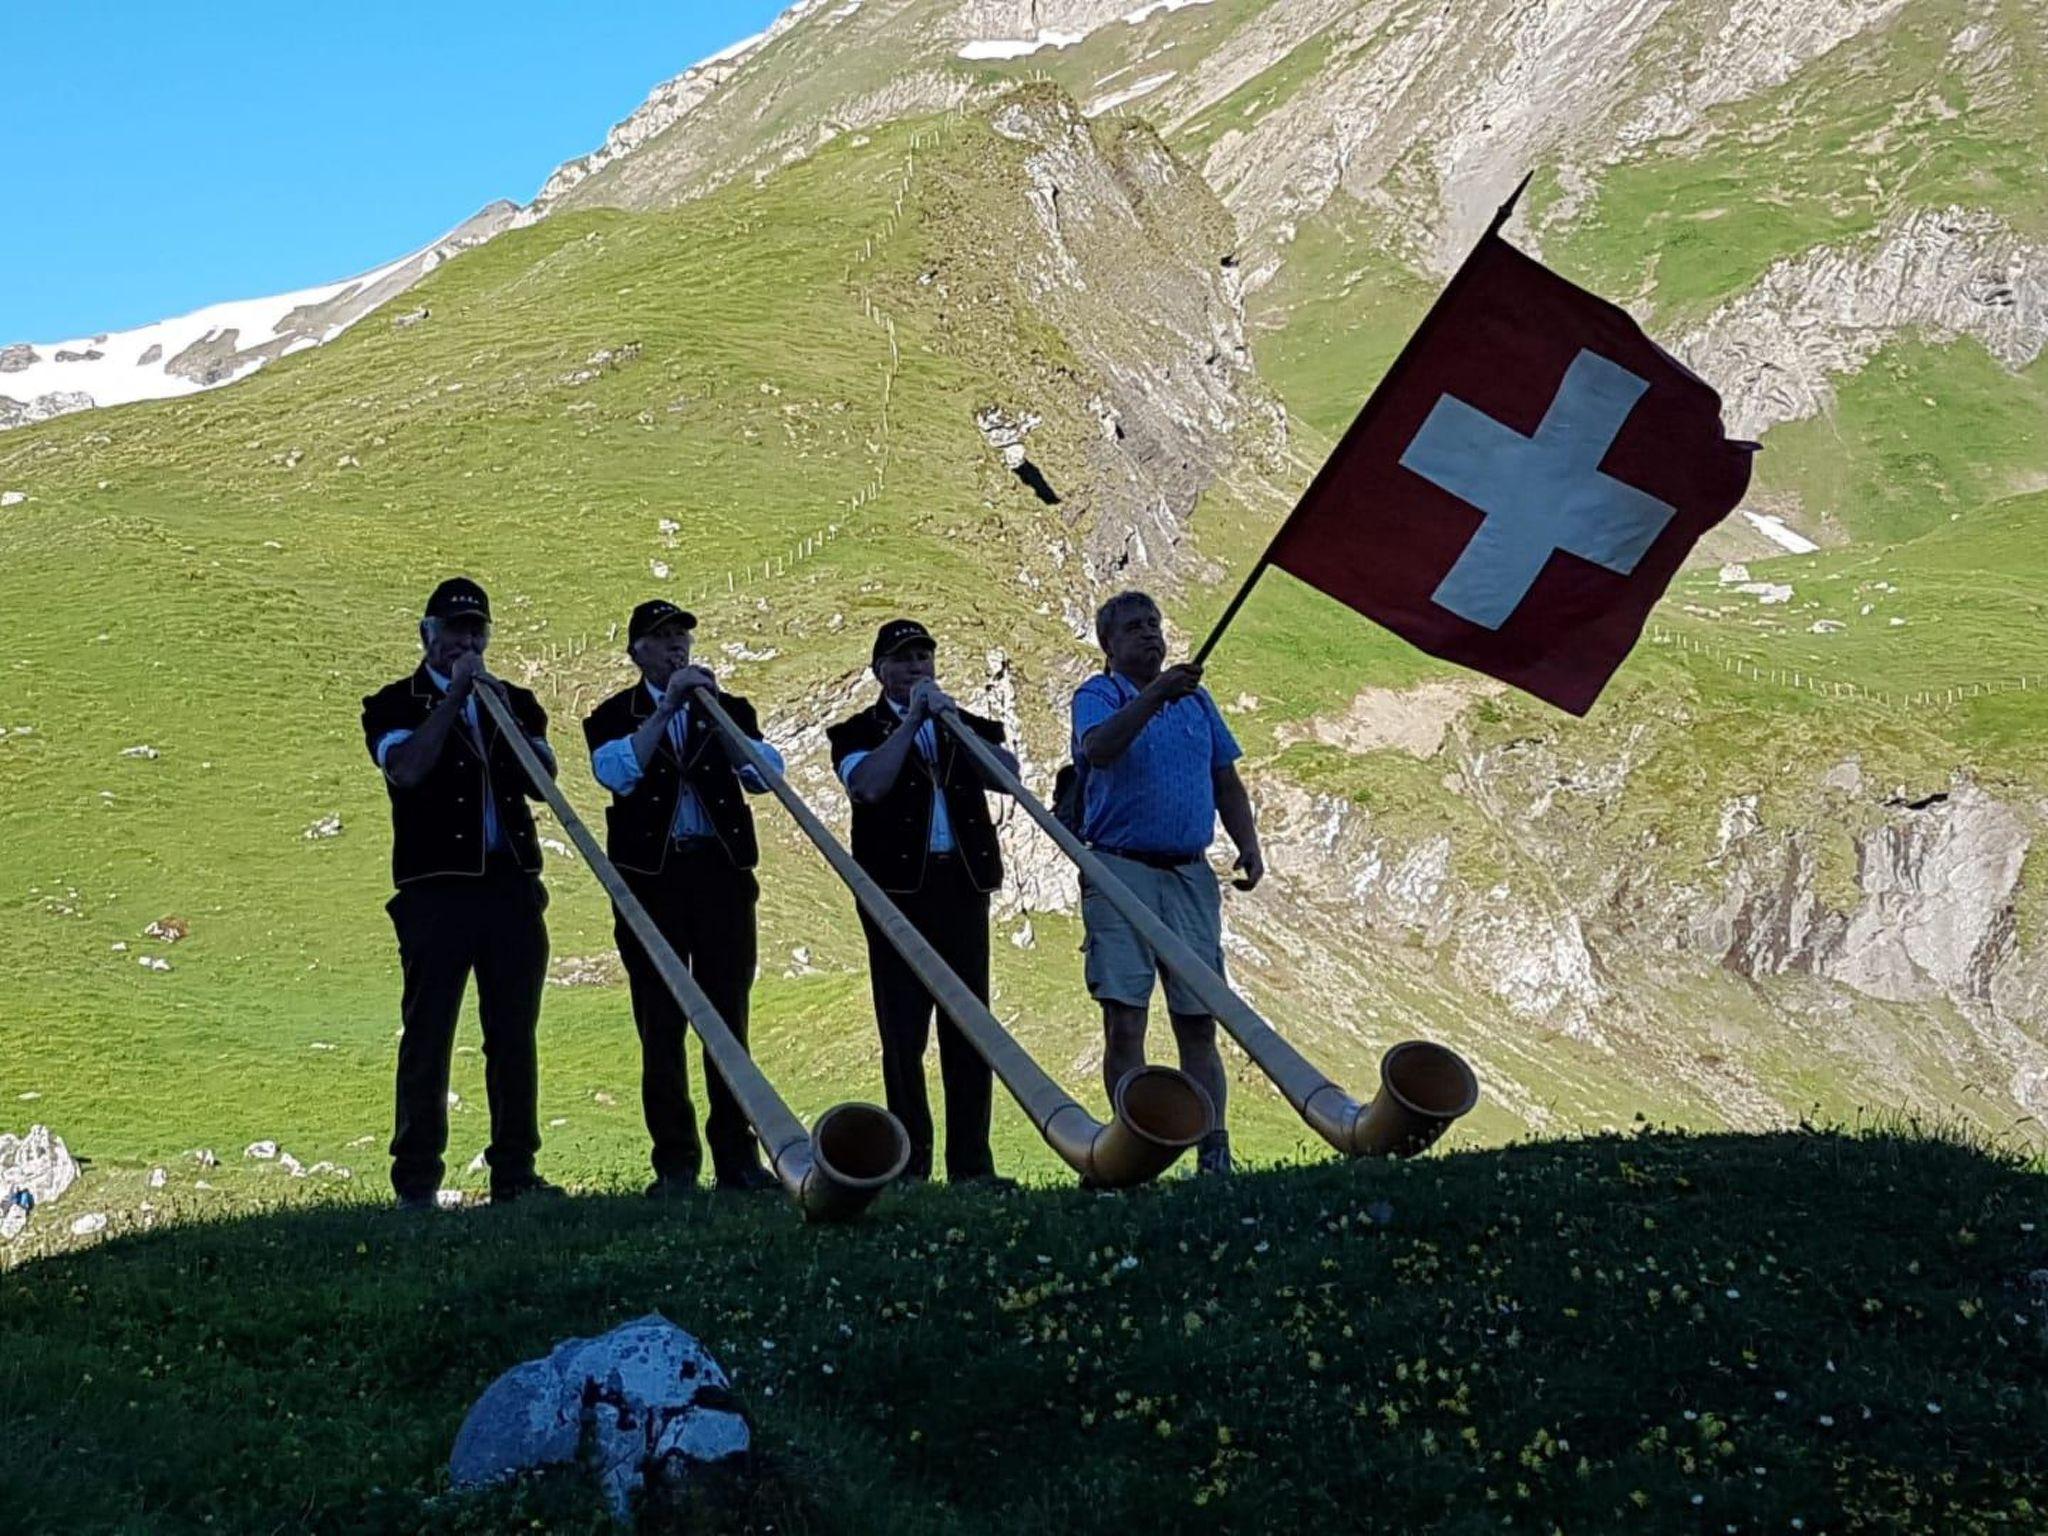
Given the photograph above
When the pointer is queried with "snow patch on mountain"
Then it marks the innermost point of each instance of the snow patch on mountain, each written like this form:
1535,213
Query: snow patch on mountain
987,48
215,345
1129,93
110,368
1018,48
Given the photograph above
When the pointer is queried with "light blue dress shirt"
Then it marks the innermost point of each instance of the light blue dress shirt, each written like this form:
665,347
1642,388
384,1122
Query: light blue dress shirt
928,749
618,770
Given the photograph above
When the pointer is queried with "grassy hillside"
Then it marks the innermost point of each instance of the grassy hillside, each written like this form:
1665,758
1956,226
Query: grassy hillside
221,579
1801,1332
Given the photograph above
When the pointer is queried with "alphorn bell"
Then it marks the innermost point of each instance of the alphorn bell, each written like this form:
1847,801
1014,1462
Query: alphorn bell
1159,1111
1423,1087
833,1171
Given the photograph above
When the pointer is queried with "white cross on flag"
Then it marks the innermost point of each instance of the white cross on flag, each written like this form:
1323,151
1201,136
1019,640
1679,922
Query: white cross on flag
1519,490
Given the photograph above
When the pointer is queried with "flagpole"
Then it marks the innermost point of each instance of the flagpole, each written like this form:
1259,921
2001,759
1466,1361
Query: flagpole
1244,591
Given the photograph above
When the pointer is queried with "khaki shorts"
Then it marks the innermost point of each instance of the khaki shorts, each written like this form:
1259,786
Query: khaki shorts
1121,966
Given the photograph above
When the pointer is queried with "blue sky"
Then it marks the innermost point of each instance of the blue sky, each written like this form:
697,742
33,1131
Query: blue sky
159,156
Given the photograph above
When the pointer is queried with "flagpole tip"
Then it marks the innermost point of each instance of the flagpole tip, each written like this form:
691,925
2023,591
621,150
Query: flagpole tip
1507,208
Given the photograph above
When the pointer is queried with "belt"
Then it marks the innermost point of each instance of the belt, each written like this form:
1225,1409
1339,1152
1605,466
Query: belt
1149,859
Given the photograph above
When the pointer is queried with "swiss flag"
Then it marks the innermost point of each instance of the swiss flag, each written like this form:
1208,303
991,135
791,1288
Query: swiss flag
1519,490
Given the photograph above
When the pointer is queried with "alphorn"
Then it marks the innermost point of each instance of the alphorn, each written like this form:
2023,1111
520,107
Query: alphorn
1159,1111
1423,1087
833,1171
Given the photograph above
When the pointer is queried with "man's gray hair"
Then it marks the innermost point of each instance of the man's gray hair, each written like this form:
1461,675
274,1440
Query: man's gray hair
1111,613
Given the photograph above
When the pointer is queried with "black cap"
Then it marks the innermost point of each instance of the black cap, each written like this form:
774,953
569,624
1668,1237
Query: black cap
650,616
897,633
459,598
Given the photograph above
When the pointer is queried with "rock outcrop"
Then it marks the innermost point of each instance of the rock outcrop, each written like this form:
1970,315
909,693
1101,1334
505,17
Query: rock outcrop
1775,352
642,1404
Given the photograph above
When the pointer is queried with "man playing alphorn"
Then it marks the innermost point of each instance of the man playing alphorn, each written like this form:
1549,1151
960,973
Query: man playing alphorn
467,866
1157,767
921,829
680,832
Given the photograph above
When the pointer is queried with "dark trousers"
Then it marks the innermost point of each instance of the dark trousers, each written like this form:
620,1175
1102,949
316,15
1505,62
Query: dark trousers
704,907
449,926
953,917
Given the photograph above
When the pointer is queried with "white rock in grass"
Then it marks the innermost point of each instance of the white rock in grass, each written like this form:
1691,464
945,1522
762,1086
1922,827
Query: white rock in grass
86,1225
262,1151
477,1163
448,1199
158,1178
39,1163
12,498
326,826
651,1399
144,750
291,1165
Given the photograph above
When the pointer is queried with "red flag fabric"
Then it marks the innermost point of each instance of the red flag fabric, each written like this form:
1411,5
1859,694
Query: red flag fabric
1520,489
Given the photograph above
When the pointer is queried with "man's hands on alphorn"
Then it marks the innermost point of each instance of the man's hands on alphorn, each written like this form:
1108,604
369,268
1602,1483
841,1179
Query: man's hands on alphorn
467,672
928,701
681,682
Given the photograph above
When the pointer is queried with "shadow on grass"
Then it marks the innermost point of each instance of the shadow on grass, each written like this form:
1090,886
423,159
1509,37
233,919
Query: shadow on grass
1668,1331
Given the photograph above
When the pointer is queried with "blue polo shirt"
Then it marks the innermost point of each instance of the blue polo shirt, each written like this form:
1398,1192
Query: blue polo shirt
1160,796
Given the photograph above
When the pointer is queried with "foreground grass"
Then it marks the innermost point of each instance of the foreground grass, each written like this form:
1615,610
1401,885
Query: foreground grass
1816,1332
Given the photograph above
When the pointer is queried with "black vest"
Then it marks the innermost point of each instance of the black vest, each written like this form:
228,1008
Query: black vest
892,836
637,825
437,826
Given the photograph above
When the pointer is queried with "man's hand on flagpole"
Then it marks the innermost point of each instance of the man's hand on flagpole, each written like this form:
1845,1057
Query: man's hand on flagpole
1177,682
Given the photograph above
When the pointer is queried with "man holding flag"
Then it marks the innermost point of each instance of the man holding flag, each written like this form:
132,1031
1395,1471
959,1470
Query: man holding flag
1157,767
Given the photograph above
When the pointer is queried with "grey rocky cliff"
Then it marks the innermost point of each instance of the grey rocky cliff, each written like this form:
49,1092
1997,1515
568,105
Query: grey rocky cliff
1124,250
22,413
1775,352
1575,977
